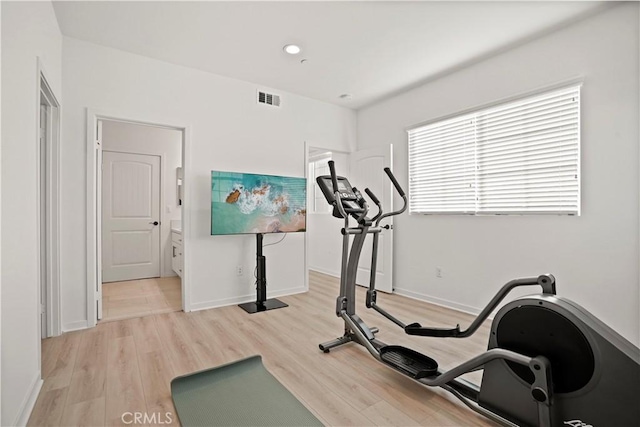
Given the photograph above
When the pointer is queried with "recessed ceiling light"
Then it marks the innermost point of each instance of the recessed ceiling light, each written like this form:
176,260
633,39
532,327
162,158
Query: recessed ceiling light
292,49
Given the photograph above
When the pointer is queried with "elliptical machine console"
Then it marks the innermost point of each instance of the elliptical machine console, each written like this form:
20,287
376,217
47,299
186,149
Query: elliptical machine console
549,362
350,198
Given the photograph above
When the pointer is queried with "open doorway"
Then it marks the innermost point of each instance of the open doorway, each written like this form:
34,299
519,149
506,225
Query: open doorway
324,240
364,169
139,219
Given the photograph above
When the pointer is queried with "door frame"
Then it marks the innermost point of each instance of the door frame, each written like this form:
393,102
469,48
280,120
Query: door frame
52,213
94,223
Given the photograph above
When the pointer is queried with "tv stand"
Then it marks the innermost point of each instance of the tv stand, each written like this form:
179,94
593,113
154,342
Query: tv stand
262,303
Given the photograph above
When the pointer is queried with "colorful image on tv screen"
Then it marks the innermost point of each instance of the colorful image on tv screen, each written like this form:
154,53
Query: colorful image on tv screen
244,203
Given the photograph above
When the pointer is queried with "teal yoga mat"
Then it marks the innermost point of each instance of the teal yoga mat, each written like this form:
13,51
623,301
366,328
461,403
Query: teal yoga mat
241,393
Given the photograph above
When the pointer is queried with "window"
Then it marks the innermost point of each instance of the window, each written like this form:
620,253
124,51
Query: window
520,157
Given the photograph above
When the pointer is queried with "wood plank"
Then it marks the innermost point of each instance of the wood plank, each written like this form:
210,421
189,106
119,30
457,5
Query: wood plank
60,369
146,334
181,354
384,414
203,343
124,392
48,408
223,337
89,413
89,377
156,374
120,328
50,349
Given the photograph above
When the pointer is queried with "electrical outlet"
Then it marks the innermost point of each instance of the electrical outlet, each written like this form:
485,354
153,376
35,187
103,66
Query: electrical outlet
239,270
438,272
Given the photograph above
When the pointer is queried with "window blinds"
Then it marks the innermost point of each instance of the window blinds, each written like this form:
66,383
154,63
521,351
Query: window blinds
521,157
442,167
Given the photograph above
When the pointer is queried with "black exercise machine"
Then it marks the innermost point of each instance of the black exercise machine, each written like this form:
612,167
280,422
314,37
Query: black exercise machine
549,362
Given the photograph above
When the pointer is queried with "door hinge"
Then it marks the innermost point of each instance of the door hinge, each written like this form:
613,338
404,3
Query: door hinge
42,309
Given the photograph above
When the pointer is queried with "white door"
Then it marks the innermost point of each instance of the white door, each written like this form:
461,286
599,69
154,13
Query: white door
130,216
367,171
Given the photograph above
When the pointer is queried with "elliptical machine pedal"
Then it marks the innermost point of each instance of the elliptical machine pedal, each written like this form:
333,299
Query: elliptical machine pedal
409,362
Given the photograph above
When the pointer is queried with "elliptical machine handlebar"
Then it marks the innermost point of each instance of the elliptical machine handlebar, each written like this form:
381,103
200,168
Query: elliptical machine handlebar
395,182
334,177
336,192
401,193
376,201
372,196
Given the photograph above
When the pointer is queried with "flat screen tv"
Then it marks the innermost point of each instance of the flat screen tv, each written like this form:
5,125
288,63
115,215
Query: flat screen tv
246,203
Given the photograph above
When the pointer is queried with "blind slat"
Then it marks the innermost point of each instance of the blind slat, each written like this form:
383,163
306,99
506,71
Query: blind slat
527,102
539,143
559,122
556,104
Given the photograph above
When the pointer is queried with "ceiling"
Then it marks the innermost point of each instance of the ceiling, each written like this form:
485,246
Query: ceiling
368,49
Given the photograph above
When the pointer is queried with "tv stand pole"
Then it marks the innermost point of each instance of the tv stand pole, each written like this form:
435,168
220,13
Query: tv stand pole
262,303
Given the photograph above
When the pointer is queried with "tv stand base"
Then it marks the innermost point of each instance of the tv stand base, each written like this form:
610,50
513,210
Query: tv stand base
254,307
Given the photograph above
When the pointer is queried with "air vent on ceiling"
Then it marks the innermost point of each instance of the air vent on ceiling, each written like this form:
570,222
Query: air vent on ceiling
268,98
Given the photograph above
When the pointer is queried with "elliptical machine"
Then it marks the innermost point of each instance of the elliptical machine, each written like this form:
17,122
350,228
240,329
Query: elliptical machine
549,362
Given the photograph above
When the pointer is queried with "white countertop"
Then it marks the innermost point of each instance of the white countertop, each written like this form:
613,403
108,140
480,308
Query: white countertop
176,226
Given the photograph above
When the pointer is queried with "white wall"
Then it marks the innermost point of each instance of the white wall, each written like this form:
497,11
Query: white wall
132,138
229,131
595,256
29,30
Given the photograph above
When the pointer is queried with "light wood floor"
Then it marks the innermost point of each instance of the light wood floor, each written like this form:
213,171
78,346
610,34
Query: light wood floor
94,376
135,298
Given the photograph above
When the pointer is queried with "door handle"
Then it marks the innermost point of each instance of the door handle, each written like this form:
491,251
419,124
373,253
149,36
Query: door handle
154,222
388,227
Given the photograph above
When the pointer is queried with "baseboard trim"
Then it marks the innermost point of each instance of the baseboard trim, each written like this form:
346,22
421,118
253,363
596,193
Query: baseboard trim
205,305
438,301
420,297
75,326
327,272
29,401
